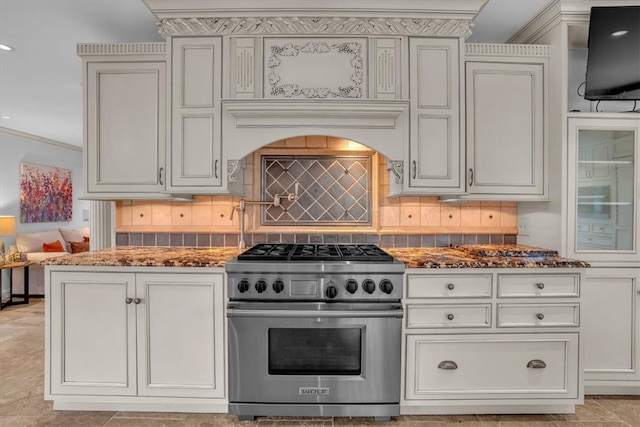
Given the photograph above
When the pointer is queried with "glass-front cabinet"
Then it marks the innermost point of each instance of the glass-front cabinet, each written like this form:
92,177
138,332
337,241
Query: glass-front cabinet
603,188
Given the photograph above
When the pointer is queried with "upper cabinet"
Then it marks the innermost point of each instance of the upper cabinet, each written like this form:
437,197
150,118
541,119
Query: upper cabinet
602,187
435,158
506,112
125,110
195,148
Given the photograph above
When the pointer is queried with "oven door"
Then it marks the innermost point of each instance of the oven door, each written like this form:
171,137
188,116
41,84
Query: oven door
318,353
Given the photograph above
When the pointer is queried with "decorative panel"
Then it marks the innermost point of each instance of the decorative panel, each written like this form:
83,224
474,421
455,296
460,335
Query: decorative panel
315,68
243,67
386,70
331,189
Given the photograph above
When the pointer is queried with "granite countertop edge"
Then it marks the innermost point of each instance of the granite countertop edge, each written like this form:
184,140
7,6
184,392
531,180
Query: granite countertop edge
467,256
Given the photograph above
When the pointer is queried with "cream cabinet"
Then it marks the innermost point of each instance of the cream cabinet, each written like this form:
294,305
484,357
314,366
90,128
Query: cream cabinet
603,189
506,127
125,338
492,341
195,148
436,161
611,333
125,110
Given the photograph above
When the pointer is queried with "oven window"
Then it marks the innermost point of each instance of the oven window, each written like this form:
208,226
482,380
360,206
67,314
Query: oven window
299,351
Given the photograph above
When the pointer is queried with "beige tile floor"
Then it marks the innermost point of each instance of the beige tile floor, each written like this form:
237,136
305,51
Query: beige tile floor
22,404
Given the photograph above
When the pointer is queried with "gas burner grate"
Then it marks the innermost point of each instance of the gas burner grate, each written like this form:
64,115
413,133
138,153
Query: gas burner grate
312,252
315,252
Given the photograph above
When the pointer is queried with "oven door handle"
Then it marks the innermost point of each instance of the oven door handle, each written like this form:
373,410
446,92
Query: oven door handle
231,312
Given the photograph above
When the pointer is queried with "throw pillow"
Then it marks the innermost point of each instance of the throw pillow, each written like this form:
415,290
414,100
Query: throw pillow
85,239
54,246
79,247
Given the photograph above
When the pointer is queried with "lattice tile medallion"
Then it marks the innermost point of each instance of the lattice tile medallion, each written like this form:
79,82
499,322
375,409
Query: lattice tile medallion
332,190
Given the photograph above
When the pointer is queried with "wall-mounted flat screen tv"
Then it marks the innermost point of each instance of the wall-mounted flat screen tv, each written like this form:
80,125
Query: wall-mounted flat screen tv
613,59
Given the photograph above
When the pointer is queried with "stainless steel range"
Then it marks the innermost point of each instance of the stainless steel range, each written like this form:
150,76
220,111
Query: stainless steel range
314,330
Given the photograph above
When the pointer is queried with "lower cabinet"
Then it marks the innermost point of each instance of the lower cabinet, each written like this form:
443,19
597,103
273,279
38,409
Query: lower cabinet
611,312
492,341
135,334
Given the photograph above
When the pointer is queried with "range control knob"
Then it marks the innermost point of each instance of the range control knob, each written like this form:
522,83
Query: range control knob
278,286
243,286
386,286
331,291
351,286
261,286
369,286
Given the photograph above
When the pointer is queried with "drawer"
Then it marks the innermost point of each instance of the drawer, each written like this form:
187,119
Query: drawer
538,285
449,286
492,366
596,241
538,315
583,228
448,316
602,229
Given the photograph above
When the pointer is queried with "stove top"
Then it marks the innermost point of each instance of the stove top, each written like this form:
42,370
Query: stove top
315,252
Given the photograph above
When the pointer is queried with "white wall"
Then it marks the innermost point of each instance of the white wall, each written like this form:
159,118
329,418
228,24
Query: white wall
16,147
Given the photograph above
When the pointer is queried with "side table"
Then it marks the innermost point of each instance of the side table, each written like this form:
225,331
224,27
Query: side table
10,266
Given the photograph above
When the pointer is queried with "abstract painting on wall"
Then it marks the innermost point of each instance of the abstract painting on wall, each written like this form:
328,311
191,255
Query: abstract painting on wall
46,193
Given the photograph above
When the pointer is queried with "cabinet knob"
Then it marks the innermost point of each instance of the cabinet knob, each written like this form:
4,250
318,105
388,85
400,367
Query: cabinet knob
540,285
450,286
536,364
129,300
448,364
540,316
137,300
450,316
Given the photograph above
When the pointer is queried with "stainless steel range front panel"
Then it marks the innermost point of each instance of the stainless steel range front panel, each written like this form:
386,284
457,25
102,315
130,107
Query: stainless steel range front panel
314,353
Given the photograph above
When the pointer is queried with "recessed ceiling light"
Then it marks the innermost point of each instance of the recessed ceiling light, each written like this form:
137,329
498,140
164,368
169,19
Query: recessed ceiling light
5,117
619,33
5,47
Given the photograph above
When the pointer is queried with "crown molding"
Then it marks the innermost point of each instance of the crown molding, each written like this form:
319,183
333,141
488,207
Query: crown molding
315,25
151,48
491,49
36,138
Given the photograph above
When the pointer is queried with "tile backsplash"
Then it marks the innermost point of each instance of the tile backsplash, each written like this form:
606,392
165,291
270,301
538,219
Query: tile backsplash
400,221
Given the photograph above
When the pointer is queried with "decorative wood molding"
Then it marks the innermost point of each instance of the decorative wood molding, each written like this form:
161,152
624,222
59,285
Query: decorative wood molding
39,139
121,48
353,48
396,167
245,61
250,124
315,25
491,49
233,166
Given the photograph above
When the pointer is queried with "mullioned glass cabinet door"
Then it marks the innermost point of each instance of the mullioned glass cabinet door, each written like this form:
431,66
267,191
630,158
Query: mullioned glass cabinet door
603,189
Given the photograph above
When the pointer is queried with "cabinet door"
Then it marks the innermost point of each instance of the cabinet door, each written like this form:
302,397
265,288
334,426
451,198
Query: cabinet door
435,159
505,128
602,189
93,333
125,141
180,335
195,148
610,326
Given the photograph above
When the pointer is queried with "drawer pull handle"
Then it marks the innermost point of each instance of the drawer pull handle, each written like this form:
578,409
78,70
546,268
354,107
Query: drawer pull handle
540,285
536,364
450,286
129,300
449,364
450,316
540,316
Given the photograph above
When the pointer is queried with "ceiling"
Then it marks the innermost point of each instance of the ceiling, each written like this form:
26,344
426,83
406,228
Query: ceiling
40,81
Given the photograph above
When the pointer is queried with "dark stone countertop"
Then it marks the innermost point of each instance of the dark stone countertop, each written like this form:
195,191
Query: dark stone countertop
460,256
